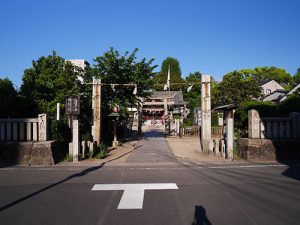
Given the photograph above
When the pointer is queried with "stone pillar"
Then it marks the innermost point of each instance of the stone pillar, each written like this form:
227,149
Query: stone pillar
96,106
83,147
253,124
295,124
115,143
8,131
229,137
15,131
2,130
58,111
43,134
75,142
217,147
205,115
140,118
22,136
28,131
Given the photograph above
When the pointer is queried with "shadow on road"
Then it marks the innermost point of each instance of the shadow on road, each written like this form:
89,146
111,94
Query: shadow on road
293,171
200,217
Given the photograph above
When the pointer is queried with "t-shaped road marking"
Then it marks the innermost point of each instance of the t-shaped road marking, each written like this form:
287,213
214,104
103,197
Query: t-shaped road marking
133,195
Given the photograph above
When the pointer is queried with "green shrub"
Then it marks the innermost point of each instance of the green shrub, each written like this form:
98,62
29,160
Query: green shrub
214,119
291,104
265,109
60,131
68,158
102,152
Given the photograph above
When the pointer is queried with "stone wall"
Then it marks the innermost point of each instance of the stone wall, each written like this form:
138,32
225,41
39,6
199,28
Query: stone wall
266,149
29,153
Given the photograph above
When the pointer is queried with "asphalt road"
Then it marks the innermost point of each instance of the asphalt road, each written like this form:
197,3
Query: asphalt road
217,194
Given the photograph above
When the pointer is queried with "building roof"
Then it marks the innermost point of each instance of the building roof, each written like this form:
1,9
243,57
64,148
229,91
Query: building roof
291,92
225,107
175,96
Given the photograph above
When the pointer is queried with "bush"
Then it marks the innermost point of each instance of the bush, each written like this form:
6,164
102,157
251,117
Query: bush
103,152
265,109
68,158
214,119
60,131
291,104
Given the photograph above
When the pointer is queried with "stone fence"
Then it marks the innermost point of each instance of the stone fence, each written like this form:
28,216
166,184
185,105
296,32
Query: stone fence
271,138
30,129
273,127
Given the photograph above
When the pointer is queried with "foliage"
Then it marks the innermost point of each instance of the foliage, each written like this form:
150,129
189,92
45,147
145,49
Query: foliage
11,103
265,109
160,79
237,87
103,152
114,68
296,77
68,158
214,119
8,98
268,73
291,104
174,66
50,80
60,131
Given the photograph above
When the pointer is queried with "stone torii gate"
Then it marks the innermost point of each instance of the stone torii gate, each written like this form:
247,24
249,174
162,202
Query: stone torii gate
96,106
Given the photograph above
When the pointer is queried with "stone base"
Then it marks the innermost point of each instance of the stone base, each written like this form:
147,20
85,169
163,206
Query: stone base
266,149
115,144
29,153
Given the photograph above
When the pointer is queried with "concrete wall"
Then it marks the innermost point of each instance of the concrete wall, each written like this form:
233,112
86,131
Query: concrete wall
266,149
29,153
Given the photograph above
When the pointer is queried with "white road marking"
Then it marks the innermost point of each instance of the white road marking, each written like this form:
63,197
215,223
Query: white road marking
133,195
244,166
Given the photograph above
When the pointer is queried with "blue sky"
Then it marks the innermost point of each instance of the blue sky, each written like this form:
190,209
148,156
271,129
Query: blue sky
210,36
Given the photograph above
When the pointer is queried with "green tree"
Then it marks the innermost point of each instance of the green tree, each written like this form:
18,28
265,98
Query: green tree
237,87
160,79
50,80
8,98
193,95
114,68
268,73
291,104
296,77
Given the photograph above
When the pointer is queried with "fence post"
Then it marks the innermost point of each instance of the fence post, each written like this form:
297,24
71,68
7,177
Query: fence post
295,120
43,134
253,124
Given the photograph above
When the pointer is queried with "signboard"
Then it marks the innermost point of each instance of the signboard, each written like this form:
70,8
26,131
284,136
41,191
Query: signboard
73,105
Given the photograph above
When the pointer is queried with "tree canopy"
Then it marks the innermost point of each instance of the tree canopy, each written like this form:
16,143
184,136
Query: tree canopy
268,73
114,68
49,81
296,77
160,79
8,98
237,87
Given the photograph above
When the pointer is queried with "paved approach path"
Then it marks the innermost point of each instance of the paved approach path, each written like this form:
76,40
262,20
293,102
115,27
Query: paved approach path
153,148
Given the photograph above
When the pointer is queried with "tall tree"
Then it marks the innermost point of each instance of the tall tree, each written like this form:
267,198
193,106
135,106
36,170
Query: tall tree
176,80
296,77
114,68
268,73
49,81
8,98
237,87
